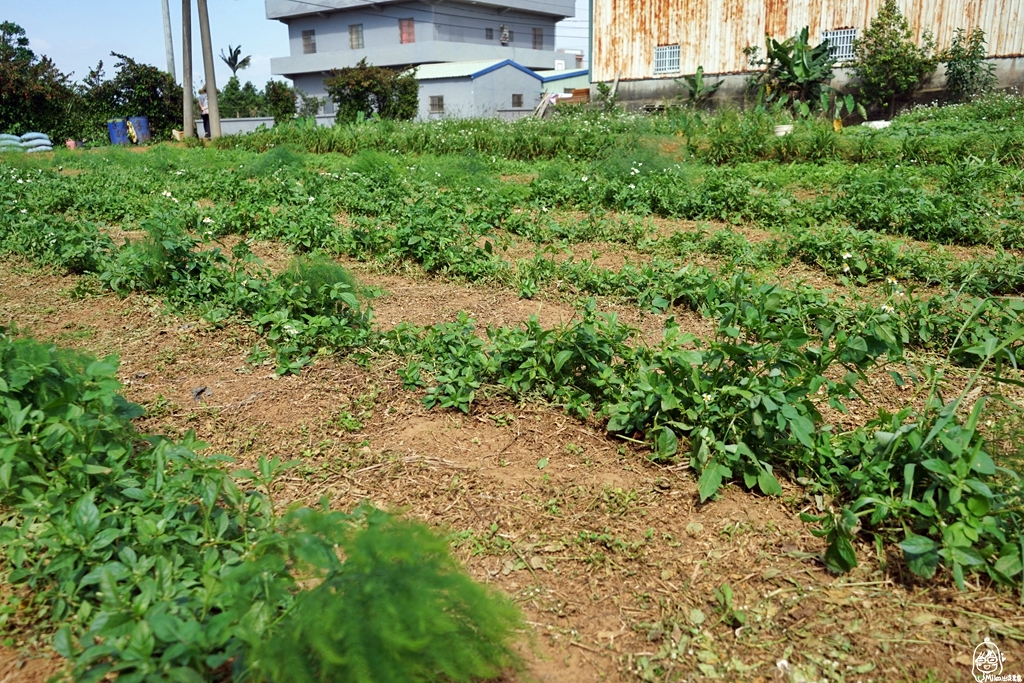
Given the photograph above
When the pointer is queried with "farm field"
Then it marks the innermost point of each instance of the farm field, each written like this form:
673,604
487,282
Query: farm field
704,403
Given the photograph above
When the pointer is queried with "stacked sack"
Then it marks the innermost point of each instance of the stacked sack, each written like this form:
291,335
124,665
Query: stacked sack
36,142
29,142
10,143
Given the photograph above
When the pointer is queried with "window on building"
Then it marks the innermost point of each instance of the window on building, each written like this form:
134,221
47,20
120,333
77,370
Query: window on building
666,59
489,33
437,104
538,39
407,31
840,43
355,36
517,101
309,42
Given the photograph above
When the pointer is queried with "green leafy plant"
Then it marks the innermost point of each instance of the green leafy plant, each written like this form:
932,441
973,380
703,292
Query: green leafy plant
697,91
968,74
234,59
151,561
607,98
796,69
368,90
34,94
889,66
280,99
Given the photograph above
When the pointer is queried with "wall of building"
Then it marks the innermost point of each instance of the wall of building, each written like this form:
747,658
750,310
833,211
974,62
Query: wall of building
411,54
457,93
492,92
713,33
487,95
448,22
567,84
635,94
287,9
248,125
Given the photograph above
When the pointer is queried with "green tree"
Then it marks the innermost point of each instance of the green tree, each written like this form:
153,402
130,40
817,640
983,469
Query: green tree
309,105
241,100
234,60
373,90
280,98
968,75
34,94
135,90
889,66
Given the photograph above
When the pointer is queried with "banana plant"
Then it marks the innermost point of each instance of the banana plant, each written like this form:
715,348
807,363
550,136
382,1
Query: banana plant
799,69
698,92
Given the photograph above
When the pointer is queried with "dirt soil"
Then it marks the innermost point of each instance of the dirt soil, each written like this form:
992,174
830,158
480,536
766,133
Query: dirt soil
612,559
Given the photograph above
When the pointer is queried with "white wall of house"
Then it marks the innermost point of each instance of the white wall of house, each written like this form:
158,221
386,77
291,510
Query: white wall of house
443,32
487,95
492,92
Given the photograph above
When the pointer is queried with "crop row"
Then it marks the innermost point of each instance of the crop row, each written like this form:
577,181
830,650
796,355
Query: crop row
153,563
983,129
743,405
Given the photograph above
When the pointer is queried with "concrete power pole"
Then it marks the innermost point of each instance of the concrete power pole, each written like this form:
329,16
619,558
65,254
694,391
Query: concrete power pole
167,37
189,124
211,77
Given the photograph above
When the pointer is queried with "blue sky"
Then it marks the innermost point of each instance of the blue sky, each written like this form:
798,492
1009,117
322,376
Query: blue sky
76,34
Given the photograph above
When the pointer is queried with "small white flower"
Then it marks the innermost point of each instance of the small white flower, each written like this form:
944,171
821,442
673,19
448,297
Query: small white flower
311,200
584,179
892,281
20,181
544,209
846,268
707,397
24,210
886,308
847,255
478,189
207,220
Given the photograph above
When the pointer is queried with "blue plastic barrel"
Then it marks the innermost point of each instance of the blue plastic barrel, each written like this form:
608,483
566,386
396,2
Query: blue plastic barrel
141,126
118,130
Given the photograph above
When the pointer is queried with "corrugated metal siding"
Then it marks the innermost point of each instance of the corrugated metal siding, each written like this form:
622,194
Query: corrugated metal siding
713,33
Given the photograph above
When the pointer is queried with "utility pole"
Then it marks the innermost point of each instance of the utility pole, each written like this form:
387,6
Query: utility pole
189,125
211,77
167,37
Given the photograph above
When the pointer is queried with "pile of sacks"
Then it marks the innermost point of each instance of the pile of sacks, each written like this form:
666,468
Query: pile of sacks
29,142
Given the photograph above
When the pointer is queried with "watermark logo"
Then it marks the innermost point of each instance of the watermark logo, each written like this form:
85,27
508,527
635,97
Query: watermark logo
988,664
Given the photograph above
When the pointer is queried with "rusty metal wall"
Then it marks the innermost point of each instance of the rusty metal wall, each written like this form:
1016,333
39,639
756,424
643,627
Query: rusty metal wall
713,33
